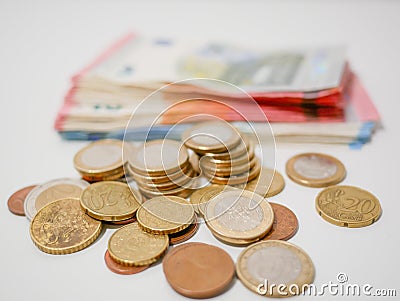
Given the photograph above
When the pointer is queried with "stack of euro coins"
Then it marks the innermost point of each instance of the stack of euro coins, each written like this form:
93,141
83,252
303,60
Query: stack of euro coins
161,221
101,160
162,167
226,157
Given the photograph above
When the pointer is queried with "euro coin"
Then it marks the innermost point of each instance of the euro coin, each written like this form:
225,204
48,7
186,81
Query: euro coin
131,246
118,268
209,193
110,201
201,195
100,158
268,183
168,178
165,215
51,191
62,227
182,192
159,157
285,223
239,214
348,206
239,150
211,136
17,200
228,171
211,162
315,170
198,270
184,235
236,242
275,268
235,179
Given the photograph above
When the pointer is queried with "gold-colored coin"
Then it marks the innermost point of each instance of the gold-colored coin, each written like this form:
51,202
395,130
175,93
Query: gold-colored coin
269,183
240,150
264,266
212,163
149,179
235,179
229,171
131,246
239,214
61,227
110,176
233,241
315,170
211,136
159,157
179,192
165,215
184,181
100,157
194,162
51,191
110,201
348,206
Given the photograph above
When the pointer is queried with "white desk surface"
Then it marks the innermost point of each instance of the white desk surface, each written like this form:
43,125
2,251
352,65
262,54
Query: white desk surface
44,42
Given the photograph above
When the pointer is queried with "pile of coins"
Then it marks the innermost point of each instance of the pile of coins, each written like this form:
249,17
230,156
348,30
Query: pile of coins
68,215
148,238
225,156
162,167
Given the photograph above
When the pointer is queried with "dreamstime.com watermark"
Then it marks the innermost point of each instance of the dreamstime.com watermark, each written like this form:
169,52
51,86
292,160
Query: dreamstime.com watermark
339,288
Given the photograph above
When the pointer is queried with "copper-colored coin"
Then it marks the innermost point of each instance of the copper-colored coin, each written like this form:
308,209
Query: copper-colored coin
184,235
122,269
16,201
285,223
198,270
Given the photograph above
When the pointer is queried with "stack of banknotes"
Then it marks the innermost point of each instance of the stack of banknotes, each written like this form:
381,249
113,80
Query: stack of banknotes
308,95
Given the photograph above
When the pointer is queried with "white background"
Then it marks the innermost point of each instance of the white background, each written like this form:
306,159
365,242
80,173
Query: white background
44,42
